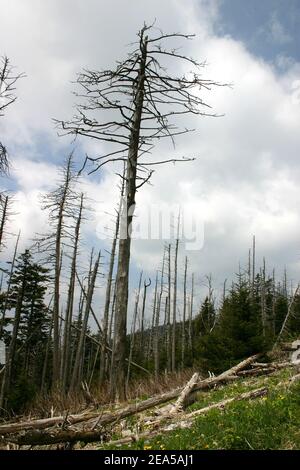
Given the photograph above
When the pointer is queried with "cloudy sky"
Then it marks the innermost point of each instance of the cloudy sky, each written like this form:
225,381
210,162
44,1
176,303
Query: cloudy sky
245,179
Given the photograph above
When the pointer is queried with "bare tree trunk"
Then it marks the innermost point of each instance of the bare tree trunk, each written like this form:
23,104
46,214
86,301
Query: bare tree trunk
132,337
143,315
4,204
191,316
12,345
151,333
108,361
287,317
70,303
285,290
45,365
157,316
175,301
57,270
112,316
8,284
118,379
263,298
184,315
253,264
168,337
274,298
108,290
76,379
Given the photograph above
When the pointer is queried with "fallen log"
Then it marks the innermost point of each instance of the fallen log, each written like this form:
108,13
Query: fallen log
275,365
183,397
45,422
108,418
265,369
185,420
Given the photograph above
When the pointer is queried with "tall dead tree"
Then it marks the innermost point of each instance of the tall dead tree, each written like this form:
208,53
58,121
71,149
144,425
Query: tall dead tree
168,319
66,350
77,369
8,80
62,206
190,332
157,318
146,285
139,98
175,299
184,314
151,333
12,267
108,288
263,297
4,198
253,264
132,336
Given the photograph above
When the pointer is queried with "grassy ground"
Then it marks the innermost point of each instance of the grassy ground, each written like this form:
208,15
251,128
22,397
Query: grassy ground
270,422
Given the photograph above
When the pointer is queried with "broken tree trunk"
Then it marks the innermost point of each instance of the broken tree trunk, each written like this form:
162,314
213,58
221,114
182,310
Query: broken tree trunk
141,346
156,325
66,350
76,375
132,337
180,403
186,420
184,315
151,334
108,418
12,267
103,352
44,438
175,300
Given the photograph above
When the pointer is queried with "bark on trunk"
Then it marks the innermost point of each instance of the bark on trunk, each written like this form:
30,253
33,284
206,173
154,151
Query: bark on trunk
118,379
108,290
76,375
132,337
9,284
66,354
184,315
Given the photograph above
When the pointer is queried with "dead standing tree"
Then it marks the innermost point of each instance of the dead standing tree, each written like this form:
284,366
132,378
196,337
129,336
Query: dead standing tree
106,337
6,213
139,99
8,80
62,204
66,349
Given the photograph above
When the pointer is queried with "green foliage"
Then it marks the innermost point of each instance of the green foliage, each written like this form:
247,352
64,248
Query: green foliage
28,286
238,332
21,394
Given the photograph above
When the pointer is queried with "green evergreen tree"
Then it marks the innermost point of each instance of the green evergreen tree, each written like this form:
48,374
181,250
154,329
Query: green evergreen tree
238,332
29,279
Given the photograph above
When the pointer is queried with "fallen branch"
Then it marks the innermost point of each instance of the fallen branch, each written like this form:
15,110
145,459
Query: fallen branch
264,369
275,365
45,423
180,403
42,438
185,420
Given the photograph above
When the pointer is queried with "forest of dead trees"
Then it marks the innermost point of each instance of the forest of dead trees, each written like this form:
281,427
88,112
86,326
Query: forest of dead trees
58,336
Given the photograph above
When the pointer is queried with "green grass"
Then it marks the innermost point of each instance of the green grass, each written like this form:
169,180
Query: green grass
271,422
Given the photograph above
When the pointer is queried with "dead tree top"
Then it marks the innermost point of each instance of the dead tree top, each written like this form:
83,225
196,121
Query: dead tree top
107,100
